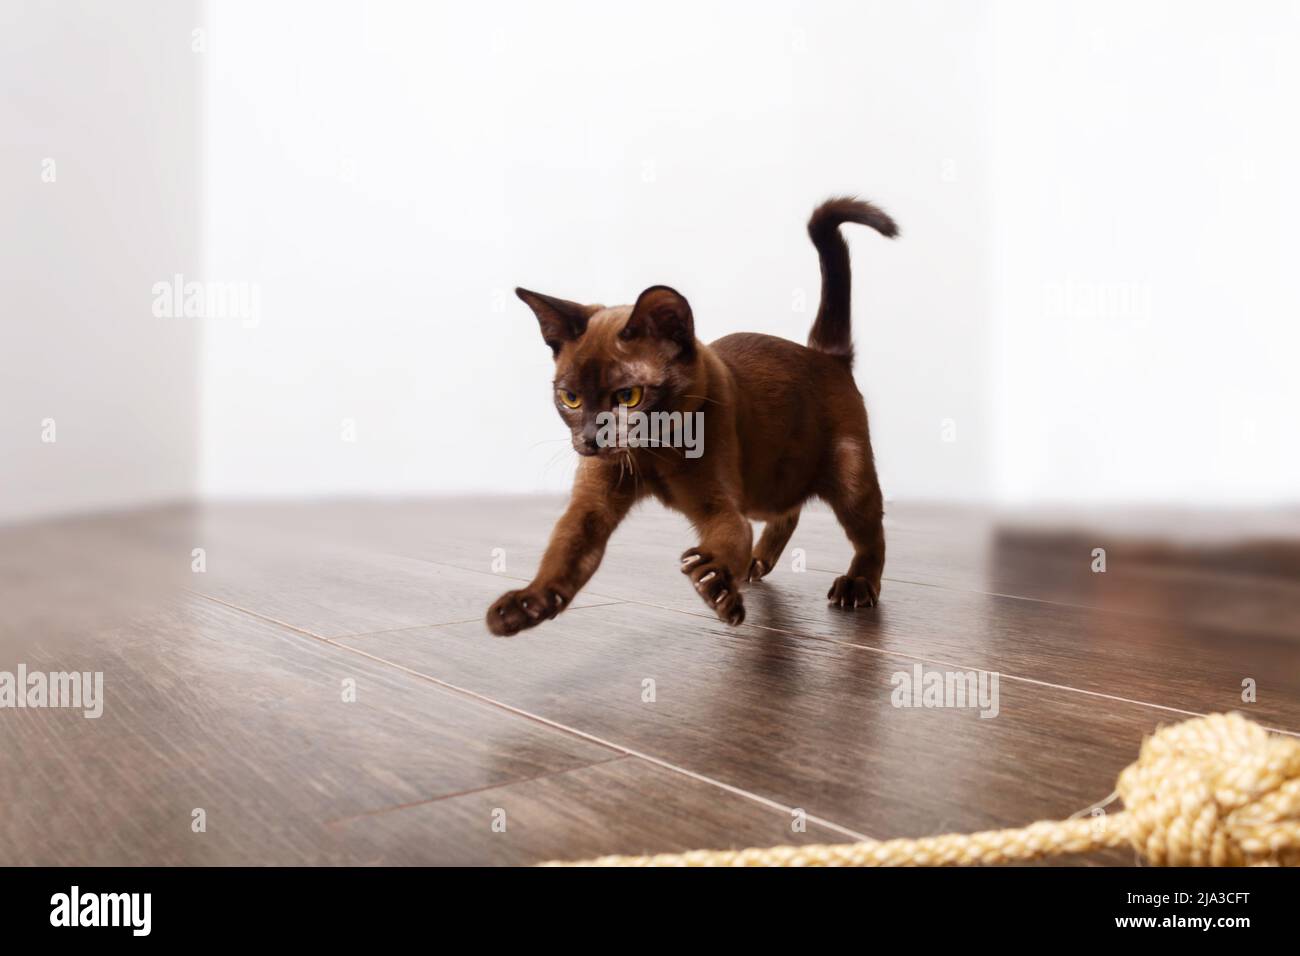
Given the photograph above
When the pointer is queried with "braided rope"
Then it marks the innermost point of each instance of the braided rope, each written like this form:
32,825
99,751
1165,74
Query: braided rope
1213,791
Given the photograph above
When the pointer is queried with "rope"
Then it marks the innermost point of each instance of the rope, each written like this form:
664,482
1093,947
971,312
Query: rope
1213,791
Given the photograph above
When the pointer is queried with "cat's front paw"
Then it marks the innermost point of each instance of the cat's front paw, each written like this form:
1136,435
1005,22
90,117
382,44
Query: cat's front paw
714,583
758,569
849,592
517,611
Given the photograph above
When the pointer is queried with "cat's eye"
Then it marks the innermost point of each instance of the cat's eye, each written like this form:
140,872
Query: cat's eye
570,399
631,397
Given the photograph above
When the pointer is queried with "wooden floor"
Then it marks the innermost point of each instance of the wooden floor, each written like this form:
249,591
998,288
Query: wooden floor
225,688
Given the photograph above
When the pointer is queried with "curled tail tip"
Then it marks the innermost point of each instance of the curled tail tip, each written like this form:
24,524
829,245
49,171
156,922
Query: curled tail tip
841,209
831,330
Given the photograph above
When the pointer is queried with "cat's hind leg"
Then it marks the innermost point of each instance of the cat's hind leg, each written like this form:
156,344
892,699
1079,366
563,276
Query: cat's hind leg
855,497
775,536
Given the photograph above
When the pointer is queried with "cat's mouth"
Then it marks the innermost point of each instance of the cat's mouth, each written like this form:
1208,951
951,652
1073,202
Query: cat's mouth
596,451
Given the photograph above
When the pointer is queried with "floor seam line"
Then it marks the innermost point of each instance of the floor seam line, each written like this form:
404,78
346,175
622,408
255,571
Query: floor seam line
487,788
321,637
627,751
942,587
556,725
811,637
1119,612
257,614
411,671
611,599
471,620
930,660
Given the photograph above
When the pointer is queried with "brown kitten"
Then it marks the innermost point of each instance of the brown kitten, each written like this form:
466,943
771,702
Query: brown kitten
785,423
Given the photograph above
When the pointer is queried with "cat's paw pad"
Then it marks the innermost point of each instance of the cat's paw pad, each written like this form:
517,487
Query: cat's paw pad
713,582
516,611
849,592
758,569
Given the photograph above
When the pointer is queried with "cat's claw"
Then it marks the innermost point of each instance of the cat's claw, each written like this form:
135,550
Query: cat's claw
849,593
713,583
516,611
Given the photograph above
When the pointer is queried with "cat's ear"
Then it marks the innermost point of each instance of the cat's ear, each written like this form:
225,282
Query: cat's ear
663,313
561,320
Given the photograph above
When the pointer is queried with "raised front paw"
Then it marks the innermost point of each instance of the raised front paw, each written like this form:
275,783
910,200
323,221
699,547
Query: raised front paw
516,611
714,584
850,592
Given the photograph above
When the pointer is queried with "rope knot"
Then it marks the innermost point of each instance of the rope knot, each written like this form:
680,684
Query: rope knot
1214,791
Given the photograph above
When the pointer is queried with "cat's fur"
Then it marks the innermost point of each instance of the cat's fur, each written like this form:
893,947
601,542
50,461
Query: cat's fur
783,423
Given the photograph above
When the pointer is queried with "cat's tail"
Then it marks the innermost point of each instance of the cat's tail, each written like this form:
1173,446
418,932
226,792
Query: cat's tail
830,332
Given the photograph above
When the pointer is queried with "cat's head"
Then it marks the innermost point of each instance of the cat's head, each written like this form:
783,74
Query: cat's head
641,356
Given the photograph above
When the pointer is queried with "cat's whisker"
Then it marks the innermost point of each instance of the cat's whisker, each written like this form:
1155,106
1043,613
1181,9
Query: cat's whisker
636,474
551,462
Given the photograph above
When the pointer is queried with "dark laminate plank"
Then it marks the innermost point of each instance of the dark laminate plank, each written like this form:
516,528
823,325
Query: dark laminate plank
1252,589
626,806
1197,572
1141,659
1231,571
1153,658
213,708
805,723
329,589
209,708
1149,659
1164,663
280,561
62,578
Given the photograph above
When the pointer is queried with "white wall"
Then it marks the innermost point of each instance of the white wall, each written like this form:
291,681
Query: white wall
1097,202
388,172
109,93
1146,208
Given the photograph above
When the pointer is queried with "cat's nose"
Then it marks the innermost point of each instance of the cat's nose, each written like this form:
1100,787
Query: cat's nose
590,443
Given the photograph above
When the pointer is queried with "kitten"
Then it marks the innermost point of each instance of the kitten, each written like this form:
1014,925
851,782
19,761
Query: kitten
785,423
